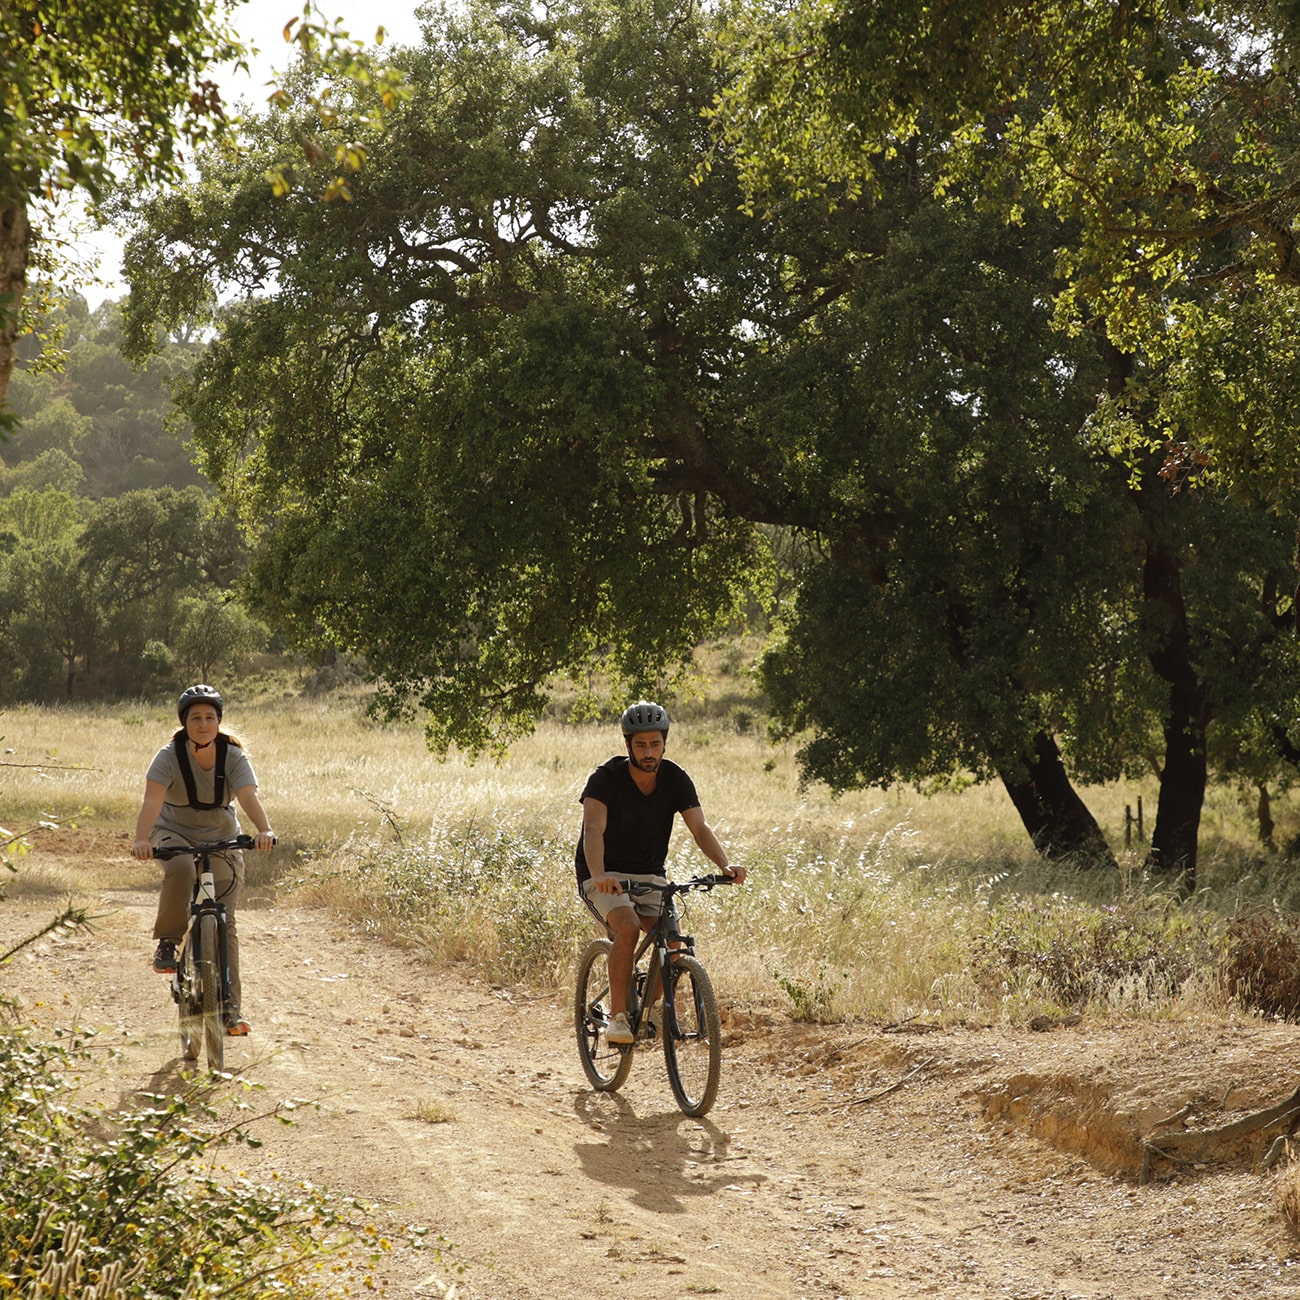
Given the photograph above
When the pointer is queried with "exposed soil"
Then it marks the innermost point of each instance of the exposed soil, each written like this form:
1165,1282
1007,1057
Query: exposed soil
841,1161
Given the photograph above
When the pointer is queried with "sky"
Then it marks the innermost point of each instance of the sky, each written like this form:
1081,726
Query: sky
261,23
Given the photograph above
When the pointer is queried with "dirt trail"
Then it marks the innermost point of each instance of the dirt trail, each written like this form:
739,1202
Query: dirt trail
839,1162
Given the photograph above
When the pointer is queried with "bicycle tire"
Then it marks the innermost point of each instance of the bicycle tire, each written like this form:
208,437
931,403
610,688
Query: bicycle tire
693,1045
209,968
189,1005
605,1065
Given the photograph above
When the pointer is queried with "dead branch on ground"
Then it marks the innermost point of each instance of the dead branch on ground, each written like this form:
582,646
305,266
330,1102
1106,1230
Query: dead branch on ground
1252,1138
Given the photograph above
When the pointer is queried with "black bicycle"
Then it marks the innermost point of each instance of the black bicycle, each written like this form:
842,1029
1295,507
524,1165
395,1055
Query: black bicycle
201,984
691,1030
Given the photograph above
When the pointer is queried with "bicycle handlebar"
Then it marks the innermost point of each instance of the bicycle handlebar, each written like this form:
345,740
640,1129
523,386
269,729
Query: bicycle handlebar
203,850
672,887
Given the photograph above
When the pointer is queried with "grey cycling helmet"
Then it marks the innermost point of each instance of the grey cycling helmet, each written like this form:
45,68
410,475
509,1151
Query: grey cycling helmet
200,694
644,715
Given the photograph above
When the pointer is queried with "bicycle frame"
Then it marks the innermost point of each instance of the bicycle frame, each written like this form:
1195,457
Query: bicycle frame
689,1029
204,1000
659,936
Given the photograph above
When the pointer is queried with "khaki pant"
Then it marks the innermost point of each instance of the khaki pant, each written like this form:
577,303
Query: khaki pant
178,891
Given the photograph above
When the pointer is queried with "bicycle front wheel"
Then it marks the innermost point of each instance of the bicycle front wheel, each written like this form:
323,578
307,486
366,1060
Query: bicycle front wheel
605,1065
209,964
692,1037
189,1003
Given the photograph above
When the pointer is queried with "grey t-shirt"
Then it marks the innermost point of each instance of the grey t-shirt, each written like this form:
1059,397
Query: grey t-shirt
195,824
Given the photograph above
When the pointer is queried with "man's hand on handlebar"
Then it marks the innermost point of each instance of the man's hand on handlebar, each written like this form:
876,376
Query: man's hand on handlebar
606,884
735,874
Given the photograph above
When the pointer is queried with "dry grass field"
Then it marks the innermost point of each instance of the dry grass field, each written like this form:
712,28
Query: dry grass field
874,903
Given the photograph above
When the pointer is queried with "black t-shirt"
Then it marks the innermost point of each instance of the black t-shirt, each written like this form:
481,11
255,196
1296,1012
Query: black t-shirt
639,825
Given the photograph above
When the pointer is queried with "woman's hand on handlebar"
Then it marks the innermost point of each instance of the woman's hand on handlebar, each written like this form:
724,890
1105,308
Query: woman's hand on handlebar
265,840
142,850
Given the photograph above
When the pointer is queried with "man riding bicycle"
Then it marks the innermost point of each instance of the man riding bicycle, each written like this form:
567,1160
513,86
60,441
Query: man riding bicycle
628,806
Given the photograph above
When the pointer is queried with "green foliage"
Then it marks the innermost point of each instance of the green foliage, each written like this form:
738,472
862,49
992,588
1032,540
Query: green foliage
102,1200
543,398
85,588
1078,955
214,632
115,420
42,517
101,107
813,998
50,470
85,95
457,455
88,102
1163,134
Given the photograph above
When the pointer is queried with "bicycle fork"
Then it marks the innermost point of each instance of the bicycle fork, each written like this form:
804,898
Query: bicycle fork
205,900
644,980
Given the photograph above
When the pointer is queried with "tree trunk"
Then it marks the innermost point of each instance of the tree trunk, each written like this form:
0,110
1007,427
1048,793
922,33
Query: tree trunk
15,241
1057,820
1265,812
1182,795
1183,778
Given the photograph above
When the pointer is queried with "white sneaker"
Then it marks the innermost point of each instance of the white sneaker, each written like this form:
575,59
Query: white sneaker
618,1031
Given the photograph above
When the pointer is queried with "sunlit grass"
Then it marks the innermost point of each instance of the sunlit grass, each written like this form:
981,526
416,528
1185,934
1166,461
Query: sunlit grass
879,904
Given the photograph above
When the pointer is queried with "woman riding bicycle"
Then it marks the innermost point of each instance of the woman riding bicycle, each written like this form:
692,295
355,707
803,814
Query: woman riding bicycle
189,795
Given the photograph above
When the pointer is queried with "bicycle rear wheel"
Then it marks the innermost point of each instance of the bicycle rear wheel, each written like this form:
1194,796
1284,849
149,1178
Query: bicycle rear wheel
605,1065
693,1044
209,966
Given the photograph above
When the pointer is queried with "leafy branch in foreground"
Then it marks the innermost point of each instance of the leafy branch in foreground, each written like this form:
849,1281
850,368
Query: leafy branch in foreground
94,1201
70,919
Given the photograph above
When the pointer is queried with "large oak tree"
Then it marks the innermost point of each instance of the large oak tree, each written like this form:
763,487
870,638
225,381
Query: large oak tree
1165,135
516,409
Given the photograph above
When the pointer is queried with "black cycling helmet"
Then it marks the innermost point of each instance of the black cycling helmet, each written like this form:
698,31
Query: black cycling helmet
199,695
644,715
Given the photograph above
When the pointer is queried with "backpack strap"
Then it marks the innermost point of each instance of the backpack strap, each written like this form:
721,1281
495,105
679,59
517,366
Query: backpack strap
187,772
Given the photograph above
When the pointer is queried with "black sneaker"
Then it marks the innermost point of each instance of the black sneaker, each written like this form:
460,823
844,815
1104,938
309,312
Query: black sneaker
164,958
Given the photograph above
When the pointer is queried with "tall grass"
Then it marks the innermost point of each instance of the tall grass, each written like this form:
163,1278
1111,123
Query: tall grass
876,904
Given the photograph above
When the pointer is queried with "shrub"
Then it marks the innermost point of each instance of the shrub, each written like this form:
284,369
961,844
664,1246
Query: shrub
95,1204
1262,963
477,891
1077,953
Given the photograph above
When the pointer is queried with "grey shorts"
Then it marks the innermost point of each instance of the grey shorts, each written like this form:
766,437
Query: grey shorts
601,905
